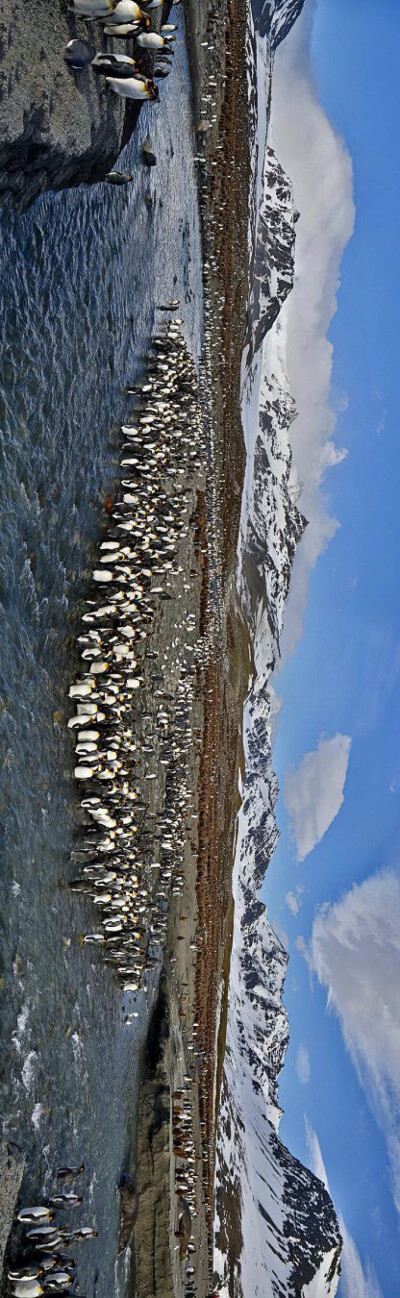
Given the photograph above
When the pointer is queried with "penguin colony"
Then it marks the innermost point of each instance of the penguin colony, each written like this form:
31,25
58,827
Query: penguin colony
129,739
124,75
186,1176
42,1266
220,158
122,736
218,213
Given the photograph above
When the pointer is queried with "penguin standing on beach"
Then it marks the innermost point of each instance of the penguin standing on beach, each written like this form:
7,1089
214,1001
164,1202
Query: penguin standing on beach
152,40
119,65
133,87
91,8
70,1173
118,178
125,11
78,54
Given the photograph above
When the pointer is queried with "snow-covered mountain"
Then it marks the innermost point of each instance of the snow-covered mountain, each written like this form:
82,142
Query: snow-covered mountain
272,274
283,15
276,1232
274,18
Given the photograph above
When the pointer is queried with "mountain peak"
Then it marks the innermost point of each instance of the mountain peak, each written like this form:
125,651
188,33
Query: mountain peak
274,18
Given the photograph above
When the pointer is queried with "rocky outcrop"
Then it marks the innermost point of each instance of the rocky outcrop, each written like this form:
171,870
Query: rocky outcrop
12,1164
129,1204
58,127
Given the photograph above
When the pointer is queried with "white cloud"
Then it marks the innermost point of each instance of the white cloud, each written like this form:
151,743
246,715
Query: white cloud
394,785
313,794
320,168
355,1281
317,1164
355,951
303,1068
300,945
292,903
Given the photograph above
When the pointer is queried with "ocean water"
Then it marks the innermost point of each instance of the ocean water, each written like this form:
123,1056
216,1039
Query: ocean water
81,274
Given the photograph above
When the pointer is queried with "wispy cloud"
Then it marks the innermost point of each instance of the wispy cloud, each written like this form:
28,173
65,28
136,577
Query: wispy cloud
317,1164
355,952
292,903
303,1068
356,1282
320,168
314,793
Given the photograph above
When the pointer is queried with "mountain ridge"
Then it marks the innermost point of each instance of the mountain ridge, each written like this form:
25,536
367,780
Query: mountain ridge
275,18
276,1230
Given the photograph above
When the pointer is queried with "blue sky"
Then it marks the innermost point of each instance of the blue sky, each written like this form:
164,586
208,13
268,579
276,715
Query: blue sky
344,675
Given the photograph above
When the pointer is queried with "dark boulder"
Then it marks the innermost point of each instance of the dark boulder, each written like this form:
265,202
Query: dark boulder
149,157
129,1203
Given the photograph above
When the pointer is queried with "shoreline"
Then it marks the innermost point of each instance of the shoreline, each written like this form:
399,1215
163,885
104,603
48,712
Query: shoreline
219,688
223,683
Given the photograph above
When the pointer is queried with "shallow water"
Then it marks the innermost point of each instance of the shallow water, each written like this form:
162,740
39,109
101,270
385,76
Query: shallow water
81,273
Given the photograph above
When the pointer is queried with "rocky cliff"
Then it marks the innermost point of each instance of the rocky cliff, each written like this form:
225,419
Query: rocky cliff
58,127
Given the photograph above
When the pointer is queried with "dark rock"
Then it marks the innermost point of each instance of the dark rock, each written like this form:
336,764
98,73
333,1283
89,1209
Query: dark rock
58,127
129,1203
148,155
12,1163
